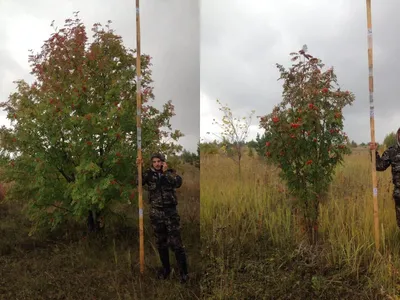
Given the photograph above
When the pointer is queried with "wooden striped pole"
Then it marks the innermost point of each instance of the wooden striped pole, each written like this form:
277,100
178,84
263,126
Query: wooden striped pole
372,125
139,136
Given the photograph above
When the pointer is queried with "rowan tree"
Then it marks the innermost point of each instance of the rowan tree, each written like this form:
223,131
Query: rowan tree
71,149
304,133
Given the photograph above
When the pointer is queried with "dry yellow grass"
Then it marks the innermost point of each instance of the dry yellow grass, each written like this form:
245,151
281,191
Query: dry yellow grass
250,222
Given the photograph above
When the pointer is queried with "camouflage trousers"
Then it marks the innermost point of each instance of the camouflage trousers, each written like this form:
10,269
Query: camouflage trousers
396,197
167,229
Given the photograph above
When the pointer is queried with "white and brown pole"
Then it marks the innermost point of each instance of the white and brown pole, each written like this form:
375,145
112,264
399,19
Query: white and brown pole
372,125
139,136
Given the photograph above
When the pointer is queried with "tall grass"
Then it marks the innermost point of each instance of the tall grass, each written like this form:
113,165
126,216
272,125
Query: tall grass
250,221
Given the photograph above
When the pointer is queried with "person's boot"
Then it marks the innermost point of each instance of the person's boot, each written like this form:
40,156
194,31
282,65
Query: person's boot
182,263
166,267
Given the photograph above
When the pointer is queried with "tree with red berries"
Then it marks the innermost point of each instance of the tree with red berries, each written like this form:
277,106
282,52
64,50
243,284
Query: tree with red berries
304,133
71,150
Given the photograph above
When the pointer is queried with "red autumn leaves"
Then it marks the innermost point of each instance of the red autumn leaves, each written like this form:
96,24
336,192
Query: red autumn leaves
292,128
295,125
90,127
92,55
304,131
121,188
327,92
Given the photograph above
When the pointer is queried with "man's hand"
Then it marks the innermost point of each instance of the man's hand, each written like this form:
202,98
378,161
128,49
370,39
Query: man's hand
165,167
373,146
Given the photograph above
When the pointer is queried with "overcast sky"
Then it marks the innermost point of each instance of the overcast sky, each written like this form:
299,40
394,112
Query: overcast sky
169,33
242,40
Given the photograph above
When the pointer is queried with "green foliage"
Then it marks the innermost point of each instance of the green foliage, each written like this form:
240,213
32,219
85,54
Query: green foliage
252,143
390,139
72,145
304,133
209,148
261,141
190,158
175,162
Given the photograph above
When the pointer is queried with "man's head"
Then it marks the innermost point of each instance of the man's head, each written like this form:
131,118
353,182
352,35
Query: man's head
157,160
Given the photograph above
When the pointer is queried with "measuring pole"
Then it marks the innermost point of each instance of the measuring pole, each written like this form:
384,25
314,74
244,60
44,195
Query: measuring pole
372,125
139,136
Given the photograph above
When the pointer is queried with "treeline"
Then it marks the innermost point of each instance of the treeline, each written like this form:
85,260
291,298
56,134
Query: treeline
189,157
258,146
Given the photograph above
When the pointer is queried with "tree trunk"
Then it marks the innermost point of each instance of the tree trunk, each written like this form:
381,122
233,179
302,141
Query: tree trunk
240,165
312,233
311,220
94,223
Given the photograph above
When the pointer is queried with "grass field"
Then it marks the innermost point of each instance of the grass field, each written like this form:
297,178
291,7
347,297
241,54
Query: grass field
65,265
253,247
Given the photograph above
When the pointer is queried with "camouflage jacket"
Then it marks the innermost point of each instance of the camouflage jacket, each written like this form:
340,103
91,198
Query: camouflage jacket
390,157
161,187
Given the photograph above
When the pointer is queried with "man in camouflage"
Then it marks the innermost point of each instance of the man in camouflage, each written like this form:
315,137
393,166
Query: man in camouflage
161,182
391,157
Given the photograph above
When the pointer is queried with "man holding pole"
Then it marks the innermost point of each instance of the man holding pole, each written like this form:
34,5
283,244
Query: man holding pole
391,157
161,183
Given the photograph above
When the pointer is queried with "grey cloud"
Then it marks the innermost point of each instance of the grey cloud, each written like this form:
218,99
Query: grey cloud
241,70
8,68
169,33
